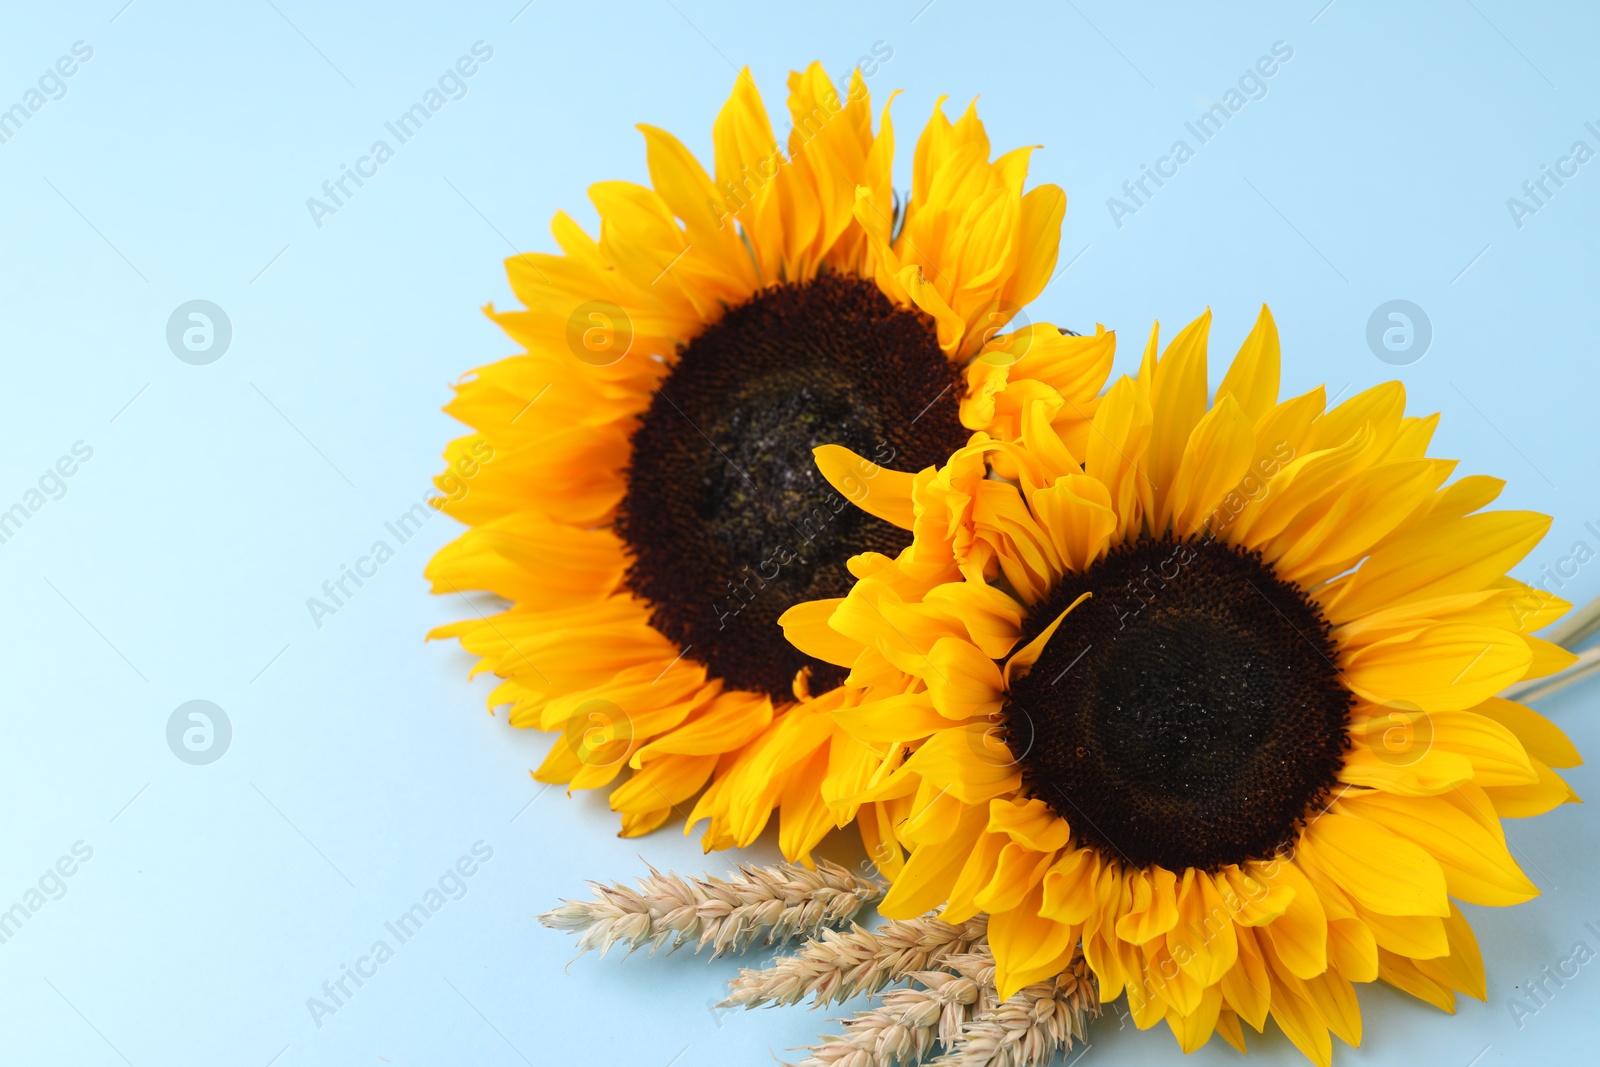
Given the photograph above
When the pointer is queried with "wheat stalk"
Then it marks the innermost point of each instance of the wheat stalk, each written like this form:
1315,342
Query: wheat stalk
836,965
1032,1026
952,1002
909,1022
769,904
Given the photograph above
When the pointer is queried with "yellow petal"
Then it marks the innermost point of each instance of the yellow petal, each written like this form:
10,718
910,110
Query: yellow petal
1247,988
1352,950
1194,1029
1101,946
1027,947
931,871
662,783
1203,942
1253,901
1335,1000
1154,907
876,823
1215,458
1295,1012
962,681
1462,969
1524,801
1069,886
976,874
1228,1027
1538,735
1016,872
1459,555
1117,454
1438,668
1477,866
934,814
742,132
721,264
1039,230
948,326
1029,823
1379,408
1252,380
1299,936
1396,754
637,825
959,760
1282,433
1417,753
730,721
990,617
1170,982
1404,975
1497,756
1379,869
1547,658
1077,512
1023,659
1178,401
805,626
904,717
876,490
1331,537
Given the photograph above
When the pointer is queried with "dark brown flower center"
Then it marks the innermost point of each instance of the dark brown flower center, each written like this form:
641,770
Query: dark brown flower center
728,521
1188,714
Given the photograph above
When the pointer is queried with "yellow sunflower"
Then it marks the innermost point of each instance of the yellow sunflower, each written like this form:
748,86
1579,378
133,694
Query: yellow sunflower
1209,692
650,505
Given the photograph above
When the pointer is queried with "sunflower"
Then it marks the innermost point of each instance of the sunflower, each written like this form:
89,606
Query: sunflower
649,505
1208,695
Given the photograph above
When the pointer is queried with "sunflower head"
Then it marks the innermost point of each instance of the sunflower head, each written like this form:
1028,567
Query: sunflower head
1207,693
653,506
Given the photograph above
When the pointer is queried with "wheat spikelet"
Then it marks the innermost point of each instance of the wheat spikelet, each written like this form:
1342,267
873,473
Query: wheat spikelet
766,904
837,965
906,1026
1031,1027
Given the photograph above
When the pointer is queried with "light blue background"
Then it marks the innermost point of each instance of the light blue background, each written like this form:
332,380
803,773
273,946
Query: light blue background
219,498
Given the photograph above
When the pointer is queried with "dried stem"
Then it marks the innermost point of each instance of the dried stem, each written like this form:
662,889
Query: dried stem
1533,689
837,965
766,904
1579,625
